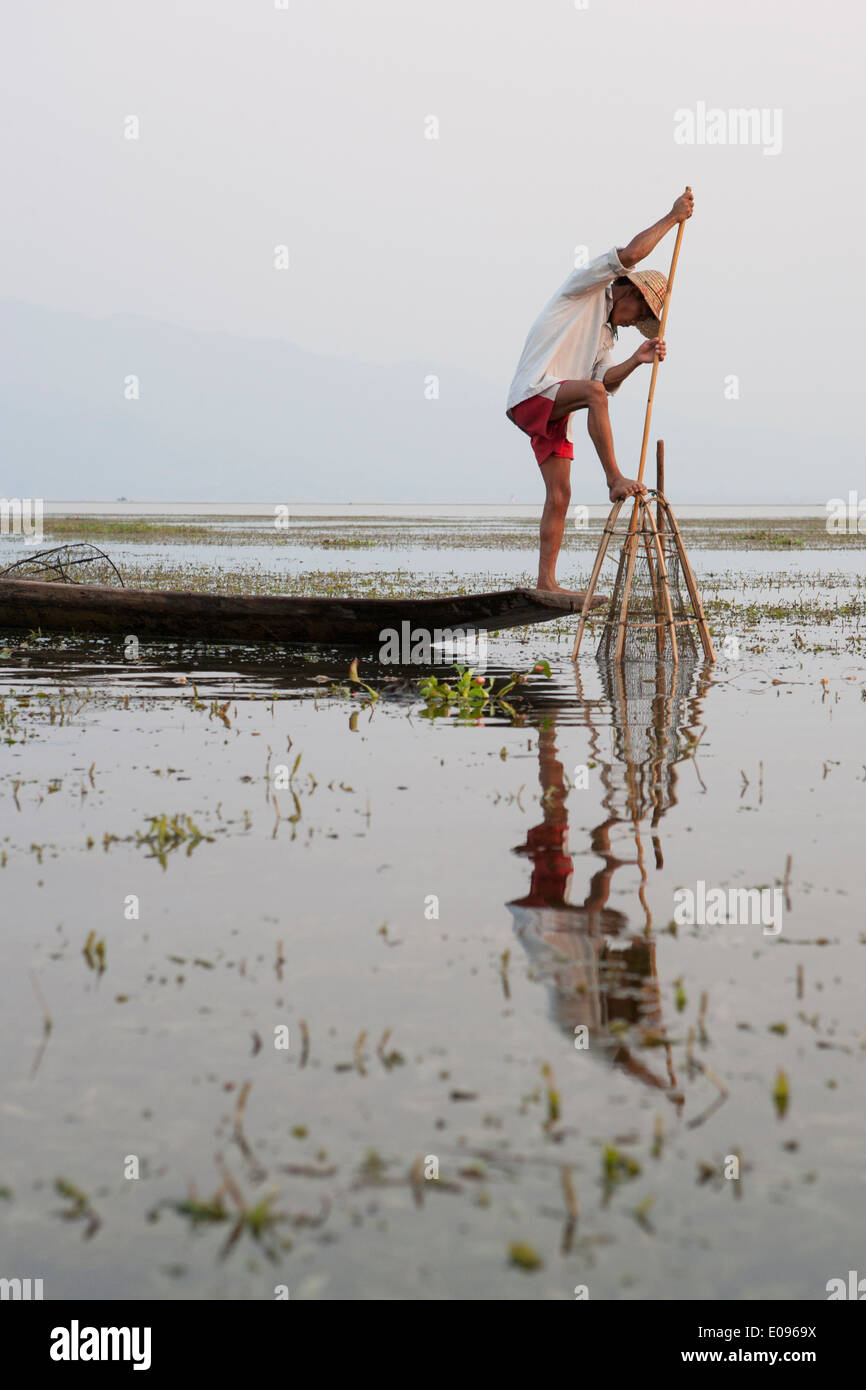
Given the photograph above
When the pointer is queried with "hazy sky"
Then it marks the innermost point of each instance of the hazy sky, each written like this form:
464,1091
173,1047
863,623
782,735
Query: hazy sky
306,126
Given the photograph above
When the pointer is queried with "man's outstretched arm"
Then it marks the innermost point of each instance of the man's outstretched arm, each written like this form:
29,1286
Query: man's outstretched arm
645,242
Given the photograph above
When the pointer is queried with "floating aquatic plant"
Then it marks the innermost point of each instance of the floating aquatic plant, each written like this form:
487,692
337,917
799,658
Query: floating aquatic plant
167,834
471,695
781,1093
524,1256
617,1167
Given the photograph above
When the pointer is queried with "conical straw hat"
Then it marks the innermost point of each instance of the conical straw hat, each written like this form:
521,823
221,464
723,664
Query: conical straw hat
653,286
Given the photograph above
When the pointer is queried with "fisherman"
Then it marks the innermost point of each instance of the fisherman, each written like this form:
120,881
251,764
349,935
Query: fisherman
566,366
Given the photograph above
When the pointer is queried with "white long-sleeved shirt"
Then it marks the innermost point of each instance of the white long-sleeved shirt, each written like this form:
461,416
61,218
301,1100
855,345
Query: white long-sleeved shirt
571,339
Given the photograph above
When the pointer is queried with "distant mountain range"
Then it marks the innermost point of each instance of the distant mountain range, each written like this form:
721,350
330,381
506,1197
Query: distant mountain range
224,418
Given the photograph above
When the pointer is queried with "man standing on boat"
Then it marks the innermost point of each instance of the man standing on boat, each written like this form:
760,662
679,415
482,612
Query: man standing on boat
566,366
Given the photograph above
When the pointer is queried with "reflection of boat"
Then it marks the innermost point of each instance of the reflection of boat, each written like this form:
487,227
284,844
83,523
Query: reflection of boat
94,608
602,973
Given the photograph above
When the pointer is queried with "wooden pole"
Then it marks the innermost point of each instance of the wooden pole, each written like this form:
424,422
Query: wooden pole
660,483
631,539
664,585
630,547
596,570
660,516
692,587
655,582
664,319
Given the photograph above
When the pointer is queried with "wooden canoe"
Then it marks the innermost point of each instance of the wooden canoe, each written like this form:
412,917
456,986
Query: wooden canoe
33,604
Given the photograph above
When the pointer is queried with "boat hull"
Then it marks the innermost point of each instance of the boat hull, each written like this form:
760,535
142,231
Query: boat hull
34,605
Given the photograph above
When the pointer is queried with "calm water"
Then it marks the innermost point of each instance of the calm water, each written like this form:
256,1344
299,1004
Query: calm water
435,910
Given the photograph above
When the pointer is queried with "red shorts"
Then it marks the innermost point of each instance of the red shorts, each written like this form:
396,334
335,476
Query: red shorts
548,438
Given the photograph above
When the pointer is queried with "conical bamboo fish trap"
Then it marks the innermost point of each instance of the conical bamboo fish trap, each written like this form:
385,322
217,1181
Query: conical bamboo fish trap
655,609
648,614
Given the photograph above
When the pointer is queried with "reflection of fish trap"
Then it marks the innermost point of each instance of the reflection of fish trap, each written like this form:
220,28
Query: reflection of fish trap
652,716
655,611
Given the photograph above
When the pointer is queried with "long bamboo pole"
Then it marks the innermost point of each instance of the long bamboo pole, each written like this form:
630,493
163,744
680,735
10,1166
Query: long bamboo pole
664,318
631,538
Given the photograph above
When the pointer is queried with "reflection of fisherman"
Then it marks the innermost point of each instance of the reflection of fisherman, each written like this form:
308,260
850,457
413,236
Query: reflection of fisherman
594,982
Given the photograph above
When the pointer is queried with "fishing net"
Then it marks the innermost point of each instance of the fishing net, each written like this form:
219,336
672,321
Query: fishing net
67,564
647,636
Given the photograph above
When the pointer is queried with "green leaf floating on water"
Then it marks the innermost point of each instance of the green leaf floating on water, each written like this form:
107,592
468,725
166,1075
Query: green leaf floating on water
781,1093
618,1167
524,1256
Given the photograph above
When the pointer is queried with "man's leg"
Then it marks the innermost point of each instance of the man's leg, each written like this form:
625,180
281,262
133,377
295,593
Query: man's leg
591,396
555,472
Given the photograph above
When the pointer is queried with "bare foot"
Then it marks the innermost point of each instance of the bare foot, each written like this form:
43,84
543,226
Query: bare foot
624,487
551,587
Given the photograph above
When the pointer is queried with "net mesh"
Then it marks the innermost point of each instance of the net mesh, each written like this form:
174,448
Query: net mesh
646,634
67,564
